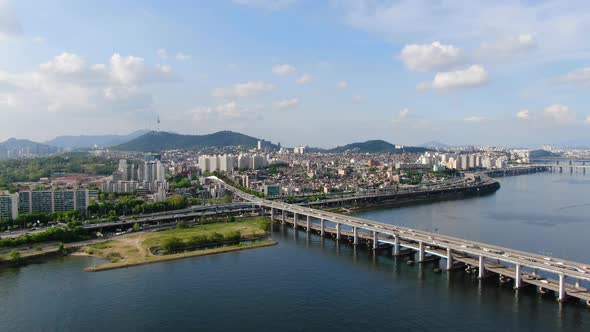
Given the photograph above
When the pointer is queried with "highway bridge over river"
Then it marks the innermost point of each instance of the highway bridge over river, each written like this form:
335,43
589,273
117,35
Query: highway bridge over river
560,276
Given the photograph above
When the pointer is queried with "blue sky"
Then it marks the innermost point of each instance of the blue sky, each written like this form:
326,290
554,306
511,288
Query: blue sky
298,71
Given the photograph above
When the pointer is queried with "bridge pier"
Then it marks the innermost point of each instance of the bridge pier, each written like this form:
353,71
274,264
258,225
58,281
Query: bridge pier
517,278
322,229
481,268
337,231
449,259
396,246
375,242
308,224
421,253
272,214
355,231
295,217
284,216
577,283
561,294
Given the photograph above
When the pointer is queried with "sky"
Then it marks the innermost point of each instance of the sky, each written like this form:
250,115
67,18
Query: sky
299,72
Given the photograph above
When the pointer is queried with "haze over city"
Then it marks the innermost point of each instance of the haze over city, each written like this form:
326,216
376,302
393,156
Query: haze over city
479,72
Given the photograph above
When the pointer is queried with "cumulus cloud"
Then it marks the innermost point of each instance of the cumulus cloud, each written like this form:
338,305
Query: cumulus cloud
162,53
560,114
67,83
304,79
182,56
265,4
10,26
523,115
401,115
65,63
227,111
578,76
358,98
510,46
429,57
246,89
472,76
562,27
342,84
475,119
287,103
283,69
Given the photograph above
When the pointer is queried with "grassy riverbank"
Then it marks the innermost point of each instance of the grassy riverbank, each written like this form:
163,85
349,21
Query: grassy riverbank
134,249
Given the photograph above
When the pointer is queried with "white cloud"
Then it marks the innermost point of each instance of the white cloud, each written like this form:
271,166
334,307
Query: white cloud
407,118
243,89
182,56
472,76
402,115
162,53
475,119
510,46
9,25
523,115
67,83
265,4
562,27
228,111
304,79
283,69
7,100
358,98
560,114
587,120
287,103
342,84
579,76
429,57
65,63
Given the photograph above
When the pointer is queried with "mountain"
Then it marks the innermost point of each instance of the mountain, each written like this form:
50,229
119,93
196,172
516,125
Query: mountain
374,146
159,141
16,148
434,145
537,154
88,141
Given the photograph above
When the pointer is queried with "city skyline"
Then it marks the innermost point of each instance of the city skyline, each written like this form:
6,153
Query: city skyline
291,71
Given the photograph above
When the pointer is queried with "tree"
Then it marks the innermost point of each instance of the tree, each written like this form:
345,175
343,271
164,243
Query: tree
136,227
172,244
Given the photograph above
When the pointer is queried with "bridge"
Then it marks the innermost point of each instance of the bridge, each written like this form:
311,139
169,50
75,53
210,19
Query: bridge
561,276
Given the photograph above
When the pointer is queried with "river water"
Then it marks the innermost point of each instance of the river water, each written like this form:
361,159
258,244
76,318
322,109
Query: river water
306,283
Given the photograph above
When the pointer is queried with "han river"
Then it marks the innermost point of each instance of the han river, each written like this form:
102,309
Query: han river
306,283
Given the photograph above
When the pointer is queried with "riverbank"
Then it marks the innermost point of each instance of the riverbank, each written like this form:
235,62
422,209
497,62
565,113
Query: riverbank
164,258
137,248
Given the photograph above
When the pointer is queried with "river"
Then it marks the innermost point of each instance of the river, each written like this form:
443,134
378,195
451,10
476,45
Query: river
306,283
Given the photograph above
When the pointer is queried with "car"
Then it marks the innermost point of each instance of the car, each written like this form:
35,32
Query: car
545,281
547,258
464,246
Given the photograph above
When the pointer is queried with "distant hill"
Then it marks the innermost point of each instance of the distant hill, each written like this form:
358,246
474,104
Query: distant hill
373,146
16,148
160,141
434,145
88,141
538,154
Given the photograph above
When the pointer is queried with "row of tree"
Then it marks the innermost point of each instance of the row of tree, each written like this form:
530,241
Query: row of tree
174,244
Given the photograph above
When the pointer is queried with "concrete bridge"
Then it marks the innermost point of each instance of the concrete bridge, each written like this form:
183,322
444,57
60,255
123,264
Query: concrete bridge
563,277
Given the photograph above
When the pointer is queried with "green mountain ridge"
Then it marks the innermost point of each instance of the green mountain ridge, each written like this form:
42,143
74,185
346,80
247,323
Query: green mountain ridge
374,146
155,141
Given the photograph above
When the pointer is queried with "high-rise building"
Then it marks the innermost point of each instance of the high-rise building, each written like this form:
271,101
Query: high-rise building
8,205
226,163
49,201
